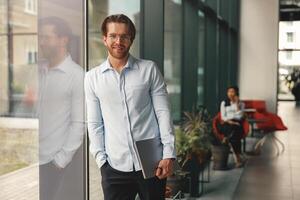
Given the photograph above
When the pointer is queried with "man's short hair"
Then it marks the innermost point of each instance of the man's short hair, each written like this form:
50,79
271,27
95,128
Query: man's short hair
119,18
61,27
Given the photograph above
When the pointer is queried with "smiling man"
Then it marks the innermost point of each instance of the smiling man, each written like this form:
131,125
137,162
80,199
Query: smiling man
127,101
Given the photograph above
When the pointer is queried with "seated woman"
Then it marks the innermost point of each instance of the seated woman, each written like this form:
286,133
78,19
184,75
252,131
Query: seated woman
232,115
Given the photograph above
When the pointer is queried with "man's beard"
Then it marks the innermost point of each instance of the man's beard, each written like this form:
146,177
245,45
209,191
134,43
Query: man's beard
48,53
119,55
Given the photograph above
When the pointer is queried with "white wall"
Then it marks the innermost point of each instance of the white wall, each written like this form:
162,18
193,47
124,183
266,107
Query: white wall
258,51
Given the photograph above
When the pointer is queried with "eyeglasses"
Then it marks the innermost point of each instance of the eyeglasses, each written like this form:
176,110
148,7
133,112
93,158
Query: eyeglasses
115,37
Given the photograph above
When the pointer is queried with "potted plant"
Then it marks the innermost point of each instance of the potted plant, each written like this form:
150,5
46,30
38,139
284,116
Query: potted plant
293,82
193,148
197,127
177,182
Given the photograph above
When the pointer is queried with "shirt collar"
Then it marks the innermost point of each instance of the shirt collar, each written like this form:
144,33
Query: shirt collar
130,64
63,66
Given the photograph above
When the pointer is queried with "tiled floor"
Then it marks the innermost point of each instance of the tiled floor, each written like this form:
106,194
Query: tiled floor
271,177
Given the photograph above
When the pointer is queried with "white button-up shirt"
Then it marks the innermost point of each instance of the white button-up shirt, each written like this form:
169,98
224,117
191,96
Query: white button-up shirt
60,111
127,107
231,112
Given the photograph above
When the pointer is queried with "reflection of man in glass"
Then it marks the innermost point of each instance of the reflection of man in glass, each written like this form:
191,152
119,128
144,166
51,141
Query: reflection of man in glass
127,101
60,111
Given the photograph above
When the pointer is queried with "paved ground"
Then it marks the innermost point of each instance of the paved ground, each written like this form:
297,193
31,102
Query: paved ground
20,185
270,177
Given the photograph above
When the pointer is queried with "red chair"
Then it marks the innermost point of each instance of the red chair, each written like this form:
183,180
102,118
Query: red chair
217,119
268,123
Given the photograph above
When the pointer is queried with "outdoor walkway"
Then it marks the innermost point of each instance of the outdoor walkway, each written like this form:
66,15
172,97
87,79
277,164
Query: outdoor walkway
21,184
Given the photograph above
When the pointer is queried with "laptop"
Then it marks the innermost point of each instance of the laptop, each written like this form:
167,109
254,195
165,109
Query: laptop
150,153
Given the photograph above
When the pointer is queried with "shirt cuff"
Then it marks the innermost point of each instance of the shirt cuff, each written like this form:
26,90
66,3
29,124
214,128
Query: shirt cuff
169,152
62,159
100,160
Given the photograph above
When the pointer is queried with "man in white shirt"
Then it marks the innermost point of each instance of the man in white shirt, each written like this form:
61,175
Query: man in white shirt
60,112
127,101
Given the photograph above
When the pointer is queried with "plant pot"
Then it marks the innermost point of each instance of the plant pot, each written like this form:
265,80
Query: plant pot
193,167
201,156
220,155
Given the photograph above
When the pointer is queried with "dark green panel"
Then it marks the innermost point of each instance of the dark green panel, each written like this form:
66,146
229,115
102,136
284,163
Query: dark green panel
233,59
223,62
190,55
234,9
201,57
224,9
152,31
211,91
213,4
173,54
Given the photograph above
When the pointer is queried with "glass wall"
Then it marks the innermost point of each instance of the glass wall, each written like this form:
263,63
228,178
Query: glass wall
221,28
97,11
173,53
18,83
41,99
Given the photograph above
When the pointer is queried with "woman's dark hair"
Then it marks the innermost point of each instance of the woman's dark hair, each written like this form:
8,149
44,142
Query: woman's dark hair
237,92
119,18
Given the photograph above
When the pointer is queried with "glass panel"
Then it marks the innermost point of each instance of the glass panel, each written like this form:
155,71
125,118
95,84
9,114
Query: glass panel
289,60
173,53
60,98
18,83
201,57
98,10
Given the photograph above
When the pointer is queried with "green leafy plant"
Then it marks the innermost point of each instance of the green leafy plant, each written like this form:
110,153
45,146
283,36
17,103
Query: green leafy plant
197,125
192,138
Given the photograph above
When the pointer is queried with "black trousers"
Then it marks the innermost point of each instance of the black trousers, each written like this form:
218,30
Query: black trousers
234,134
119,185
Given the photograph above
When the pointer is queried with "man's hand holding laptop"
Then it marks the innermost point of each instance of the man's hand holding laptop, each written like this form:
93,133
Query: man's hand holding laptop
165,168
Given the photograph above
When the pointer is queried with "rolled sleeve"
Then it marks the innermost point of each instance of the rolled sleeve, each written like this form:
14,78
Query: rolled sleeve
159,96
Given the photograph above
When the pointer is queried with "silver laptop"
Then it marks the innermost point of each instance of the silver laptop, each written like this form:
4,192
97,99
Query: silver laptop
150,152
